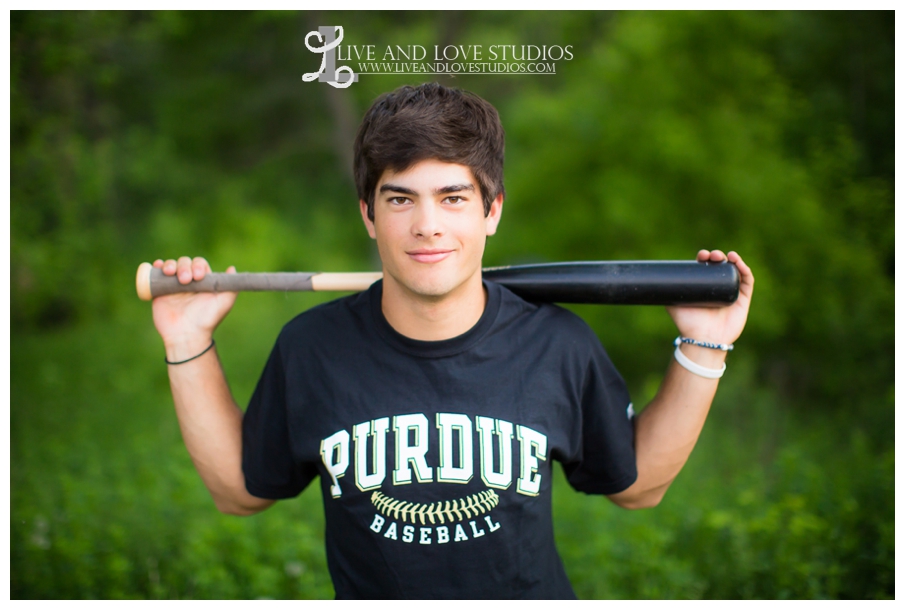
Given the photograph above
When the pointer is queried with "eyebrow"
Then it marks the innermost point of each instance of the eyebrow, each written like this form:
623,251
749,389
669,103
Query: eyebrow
443,190
454,188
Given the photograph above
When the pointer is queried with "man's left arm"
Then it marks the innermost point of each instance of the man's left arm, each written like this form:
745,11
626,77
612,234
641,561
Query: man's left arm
668,428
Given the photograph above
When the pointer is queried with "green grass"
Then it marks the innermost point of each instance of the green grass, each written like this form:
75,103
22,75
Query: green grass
776,501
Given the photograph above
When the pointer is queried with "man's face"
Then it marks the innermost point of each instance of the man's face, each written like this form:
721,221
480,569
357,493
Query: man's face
430,228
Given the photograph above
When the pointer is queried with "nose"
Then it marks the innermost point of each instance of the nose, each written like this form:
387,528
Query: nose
427,221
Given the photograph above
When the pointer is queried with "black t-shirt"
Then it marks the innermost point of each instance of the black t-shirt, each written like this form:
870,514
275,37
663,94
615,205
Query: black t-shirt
435,457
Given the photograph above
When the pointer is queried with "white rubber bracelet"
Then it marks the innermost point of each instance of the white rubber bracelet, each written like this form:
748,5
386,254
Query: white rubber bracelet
697,369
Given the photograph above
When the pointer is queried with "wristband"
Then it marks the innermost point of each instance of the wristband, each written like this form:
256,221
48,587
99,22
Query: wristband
722,346
697,369
206,349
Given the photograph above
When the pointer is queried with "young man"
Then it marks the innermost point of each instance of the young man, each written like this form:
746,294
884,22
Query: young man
432,405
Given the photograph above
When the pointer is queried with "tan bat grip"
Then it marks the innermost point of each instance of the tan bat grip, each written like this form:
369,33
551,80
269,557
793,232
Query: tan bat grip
341,282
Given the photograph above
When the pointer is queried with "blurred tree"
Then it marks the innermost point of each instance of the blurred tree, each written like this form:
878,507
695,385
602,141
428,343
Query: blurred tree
683,138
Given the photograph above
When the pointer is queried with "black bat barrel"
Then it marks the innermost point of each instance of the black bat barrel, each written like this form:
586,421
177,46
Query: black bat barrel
622,282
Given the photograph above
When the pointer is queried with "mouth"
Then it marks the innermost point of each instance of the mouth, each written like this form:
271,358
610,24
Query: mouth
429,255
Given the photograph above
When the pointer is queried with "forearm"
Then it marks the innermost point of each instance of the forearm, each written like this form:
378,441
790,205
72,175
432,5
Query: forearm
211,425
668,429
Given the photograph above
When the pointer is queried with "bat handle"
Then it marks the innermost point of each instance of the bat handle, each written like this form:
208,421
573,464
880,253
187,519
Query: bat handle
151,282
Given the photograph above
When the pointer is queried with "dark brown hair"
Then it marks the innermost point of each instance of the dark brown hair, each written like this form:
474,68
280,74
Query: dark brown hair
430,121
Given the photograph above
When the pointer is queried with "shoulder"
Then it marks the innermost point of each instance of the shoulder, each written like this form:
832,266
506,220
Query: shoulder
514,306
556,336
326,320
547,322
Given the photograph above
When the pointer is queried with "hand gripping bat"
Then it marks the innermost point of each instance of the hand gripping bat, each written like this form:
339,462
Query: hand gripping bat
609,282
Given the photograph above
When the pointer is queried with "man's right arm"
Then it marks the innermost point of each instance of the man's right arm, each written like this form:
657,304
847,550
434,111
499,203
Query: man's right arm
210,420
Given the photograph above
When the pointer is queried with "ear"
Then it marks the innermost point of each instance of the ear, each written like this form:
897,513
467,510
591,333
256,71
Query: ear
369,224
493,217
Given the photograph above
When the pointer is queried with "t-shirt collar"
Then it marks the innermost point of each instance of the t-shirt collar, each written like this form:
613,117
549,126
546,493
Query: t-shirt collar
434,349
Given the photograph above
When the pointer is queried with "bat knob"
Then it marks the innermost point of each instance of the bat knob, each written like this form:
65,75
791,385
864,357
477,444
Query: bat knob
143,281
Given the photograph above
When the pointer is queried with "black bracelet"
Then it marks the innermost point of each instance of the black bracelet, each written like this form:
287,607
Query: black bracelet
193,357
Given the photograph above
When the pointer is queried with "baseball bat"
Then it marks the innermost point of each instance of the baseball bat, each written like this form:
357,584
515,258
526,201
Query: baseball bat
608,282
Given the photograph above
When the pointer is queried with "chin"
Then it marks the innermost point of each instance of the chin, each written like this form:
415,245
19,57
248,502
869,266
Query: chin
429,285
432,283
430,289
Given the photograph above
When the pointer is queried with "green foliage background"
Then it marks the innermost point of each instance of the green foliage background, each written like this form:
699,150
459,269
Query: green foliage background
144,135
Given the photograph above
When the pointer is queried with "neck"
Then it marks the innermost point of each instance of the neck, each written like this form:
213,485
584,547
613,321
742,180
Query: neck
426,318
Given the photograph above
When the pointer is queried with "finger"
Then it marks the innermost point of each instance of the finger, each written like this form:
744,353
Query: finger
158,263
746,276
169,267
184,269
736,259
200,268
703,256
230,295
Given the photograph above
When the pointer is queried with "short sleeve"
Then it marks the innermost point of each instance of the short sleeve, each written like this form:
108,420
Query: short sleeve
267,459
605,463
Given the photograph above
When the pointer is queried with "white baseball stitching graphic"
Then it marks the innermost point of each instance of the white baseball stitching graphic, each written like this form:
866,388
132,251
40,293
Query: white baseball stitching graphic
448,511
